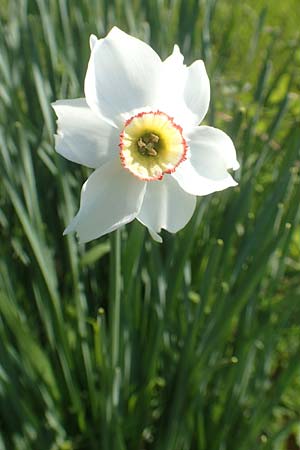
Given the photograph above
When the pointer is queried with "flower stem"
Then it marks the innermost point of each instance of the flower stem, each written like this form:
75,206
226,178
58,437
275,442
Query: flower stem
115,295
114,314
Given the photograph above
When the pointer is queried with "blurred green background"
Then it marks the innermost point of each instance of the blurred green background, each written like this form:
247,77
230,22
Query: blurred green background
205,355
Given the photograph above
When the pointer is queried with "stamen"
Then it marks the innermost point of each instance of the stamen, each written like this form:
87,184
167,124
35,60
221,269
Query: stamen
148,144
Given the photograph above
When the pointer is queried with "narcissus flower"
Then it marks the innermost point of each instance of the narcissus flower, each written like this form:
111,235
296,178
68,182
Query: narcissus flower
138,128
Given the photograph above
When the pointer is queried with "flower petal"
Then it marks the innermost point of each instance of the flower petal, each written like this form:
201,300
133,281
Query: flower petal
171,89
122,75
110,198
155,236
197,91
93,40
166,206
173,75
184,91
211,153
82,136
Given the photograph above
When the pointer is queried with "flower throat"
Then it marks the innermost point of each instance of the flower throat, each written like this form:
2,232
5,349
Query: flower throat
148,144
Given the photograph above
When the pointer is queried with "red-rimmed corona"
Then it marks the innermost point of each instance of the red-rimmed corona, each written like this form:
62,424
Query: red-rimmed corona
151,145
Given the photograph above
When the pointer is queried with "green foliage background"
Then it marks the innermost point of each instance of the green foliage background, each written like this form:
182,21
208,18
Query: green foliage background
203,353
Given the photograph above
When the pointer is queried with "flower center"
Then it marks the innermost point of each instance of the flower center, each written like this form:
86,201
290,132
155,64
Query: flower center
151,144
148,145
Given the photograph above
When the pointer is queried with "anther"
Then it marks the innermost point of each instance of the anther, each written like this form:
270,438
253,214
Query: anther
154,138
147,144
151,150
141,144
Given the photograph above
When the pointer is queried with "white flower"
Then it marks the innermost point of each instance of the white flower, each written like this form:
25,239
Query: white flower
138,128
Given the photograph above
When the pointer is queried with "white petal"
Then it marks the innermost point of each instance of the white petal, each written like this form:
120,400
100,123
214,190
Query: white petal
93,40
174,69
166,206
110,198
211,153
122,75
184,91
170,97
155,236
218,141
82,136
197,91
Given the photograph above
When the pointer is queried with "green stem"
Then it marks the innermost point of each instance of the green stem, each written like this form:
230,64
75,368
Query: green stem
115,295
114,313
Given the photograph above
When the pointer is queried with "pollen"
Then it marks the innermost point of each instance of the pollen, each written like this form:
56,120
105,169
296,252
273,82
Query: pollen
152,144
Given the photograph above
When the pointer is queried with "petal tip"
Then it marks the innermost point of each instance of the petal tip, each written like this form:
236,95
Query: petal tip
155,236
71,227
93,40
54,104
115,31
236,165
177,52
67,231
